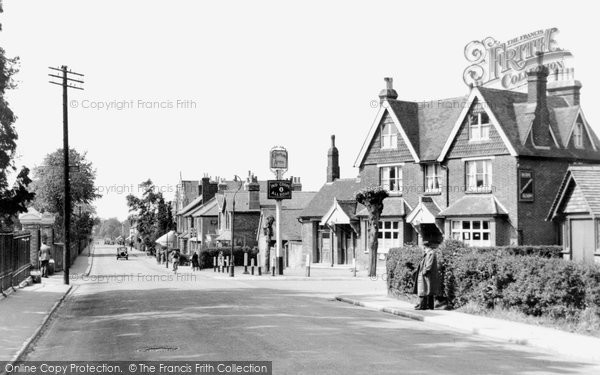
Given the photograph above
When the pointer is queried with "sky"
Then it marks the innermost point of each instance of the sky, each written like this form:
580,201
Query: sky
196,87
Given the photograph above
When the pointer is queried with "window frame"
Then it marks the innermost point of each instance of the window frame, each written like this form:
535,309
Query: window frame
391,135
578,135
398,179
458,233
478,127
487,172
436,177
383,242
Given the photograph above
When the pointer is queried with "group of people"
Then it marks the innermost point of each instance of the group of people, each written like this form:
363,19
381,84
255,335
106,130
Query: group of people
176,259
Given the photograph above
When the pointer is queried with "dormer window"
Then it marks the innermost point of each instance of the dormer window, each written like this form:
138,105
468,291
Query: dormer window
479,126
389,136
578,135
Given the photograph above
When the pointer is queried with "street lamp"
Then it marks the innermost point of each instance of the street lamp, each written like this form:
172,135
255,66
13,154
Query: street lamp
231,271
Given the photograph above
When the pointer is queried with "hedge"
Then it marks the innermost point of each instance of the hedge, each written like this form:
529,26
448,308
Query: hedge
206,255
530,279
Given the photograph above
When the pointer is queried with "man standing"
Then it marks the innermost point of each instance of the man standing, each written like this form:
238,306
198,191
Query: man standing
427,279
44,256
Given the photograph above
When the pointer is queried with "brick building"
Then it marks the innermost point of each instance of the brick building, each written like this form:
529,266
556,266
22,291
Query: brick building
483,168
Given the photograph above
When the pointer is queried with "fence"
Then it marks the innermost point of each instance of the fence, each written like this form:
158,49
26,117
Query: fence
15,261
56,252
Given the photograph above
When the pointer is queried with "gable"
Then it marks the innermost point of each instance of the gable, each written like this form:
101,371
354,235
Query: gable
575,201
463,147
376,155
587,143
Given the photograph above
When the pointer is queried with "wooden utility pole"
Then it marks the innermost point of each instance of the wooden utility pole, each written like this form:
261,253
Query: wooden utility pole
65,83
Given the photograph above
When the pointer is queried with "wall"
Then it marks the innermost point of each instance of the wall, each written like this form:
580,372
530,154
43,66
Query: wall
547,176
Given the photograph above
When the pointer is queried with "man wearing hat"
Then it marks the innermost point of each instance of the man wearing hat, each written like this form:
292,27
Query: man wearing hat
427,279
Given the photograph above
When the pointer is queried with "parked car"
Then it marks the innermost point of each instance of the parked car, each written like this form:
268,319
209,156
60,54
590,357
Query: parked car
122,252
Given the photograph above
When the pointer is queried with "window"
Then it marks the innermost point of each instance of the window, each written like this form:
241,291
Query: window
432,178
389,136
578,135
472,232
479,126
388,236
391,178
479,175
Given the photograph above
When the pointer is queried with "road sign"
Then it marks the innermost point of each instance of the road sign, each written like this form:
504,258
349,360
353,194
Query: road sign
279,189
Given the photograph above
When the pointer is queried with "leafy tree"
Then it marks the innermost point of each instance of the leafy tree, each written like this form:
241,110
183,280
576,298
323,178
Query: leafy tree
13,198
372,198
152,214
113,228
48,186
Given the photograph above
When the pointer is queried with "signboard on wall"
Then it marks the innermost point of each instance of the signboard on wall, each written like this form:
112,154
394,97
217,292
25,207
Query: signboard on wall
526,185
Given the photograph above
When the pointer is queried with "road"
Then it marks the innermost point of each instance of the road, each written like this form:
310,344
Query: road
137,310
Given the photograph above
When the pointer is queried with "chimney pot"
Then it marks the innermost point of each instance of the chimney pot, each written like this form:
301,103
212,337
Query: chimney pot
388,92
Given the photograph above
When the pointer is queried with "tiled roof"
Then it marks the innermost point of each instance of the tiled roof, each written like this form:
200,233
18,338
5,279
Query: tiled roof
392,206
300,199
587,179
193,204
428,125
209,208
475,205
342,189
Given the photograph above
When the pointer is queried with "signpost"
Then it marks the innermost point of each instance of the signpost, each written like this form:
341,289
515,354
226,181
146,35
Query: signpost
278,189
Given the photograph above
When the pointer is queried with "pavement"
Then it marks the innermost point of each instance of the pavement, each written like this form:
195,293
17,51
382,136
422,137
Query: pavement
560,342
26,310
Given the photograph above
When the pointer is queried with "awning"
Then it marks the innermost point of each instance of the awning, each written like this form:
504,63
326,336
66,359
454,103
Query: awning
475,205
225,236
426,212
167,237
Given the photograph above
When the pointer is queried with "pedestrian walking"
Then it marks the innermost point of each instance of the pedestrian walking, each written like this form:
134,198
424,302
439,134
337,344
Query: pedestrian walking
175,260
426,279
44,256
195,262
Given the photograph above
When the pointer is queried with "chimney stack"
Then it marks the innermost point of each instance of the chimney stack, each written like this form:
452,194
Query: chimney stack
253,188
536,96
563,84
296,184
333,162
388,92
222,185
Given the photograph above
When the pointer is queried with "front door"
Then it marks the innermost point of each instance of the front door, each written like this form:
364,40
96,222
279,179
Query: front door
325,252
582,240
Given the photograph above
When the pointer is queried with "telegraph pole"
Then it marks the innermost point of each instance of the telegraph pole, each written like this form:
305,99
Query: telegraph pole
66,84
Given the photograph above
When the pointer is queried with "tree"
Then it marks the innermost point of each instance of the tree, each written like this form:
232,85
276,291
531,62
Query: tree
152,214
13,198
48,186
113,228
372,198
268,231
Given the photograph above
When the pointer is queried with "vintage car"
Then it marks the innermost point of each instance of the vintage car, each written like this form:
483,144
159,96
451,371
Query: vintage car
122,252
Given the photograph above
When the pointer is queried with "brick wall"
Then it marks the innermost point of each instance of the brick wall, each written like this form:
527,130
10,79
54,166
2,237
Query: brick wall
547,176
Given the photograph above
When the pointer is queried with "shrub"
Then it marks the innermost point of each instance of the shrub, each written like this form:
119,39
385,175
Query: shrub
531,279
400,264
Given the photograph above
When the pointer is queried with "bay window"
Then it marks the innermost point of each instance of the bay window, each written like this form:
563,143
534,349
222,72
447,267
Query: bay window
389,235
472,232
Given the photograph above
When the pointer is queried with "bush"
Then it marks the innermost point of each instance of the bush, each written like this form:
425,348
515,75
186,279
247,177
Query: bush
400,264
206,255
530,279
